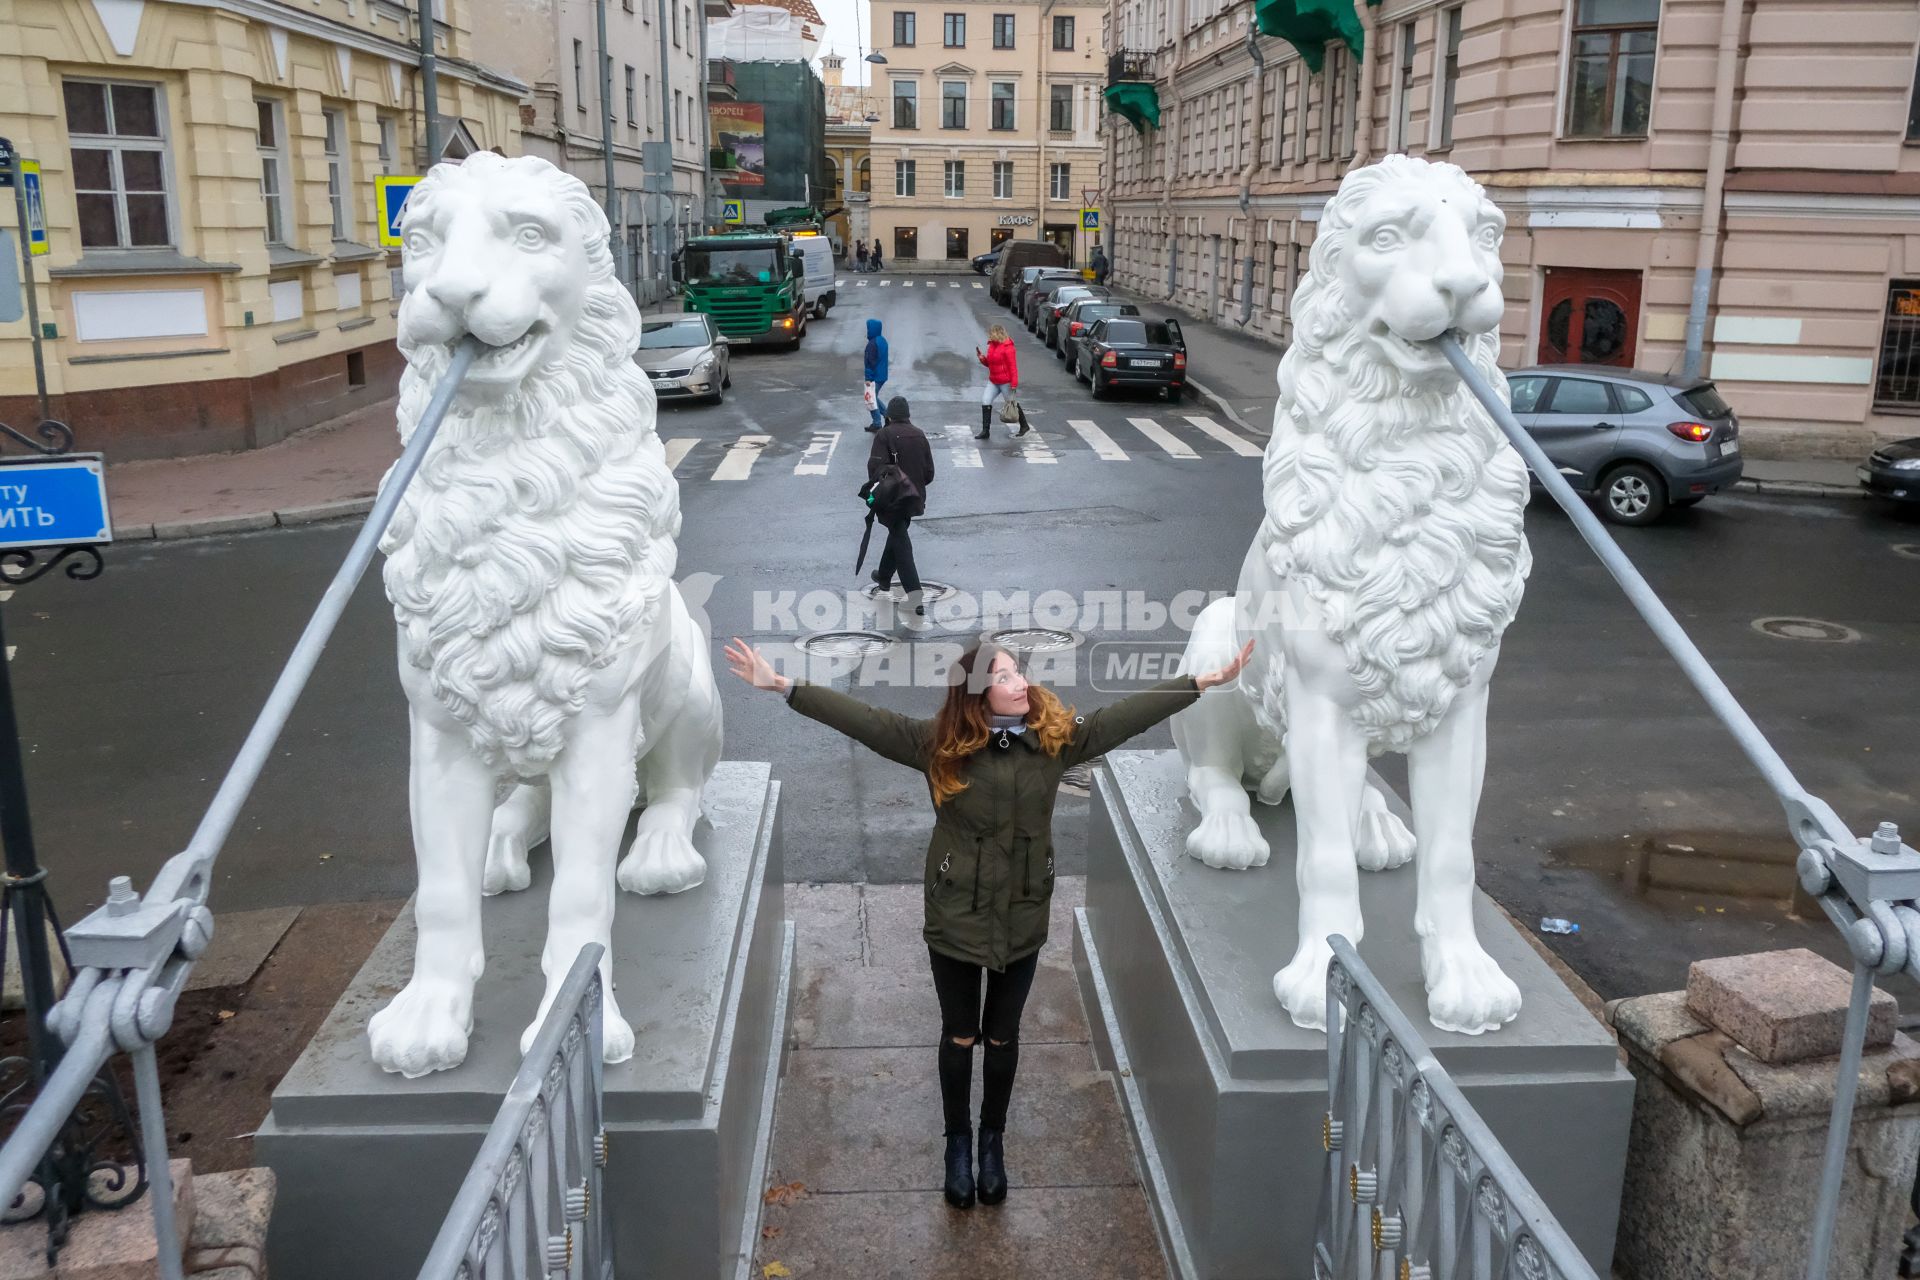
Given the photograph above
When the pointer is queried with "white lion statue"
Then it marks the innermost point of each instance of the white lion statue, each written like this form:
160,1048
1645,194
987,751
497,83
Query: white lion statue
1389,562
544,646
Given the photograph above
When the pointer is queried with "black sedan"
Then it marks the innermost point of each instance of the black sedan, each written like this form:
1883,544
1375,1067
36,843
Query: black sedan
985,262
1127,351
1079,317
1053,311
1893,471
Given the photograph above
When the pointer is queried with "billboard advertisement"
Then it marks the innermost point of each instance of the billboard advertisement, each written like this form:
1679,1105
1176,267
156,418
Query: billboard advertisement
739,132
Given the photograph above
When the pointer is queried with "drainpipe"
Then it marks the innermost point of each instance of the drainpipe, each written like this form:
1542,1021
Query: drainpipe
1253,169
1363,110
663,162
1712,202
615,240
1176,32
429,84
1042,118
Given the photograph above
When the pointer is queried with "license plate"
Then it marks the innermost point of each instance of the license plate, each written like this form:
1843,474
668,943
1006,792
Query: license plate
1731,449
1865,476
1145,364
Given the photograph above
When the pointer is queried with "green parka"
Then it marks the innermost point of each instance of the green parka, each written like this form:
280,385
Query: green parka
989,868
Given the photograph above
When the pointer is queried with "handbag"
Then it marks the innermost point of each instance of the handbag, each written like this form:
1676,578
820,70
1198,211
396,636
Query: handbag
1009,408
872,396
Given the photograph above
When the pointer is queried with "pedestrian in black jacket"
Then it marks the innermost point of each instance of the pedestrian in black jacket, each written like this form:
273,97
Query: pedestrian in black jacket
902,444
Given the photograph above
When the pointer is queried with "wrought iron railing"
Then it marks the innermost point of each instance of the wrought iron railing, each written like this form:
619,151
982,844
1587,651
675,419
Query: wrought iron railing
531,1204
131,958
1126,65
1416,1184
1867,885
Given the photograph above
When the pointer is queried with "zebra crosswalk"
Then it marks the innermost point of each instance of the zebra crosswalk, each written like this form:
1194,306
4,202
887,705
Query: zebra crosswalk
910,284
750,455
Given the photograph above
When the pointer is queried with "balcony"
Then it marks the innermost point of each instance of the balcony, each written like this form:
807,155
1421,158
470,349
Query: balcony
720,85
1130,92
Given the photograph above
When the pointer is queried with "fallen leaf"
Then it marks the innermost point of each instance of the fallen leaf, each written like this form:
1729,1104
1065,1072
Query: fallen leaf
786,1193
225,1014
773,1269
325,857
769,1233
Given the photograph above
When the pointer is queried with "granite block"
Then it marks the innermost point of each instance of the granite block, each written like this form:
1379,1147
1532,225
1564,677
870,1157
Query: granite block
104,1245
1783,1006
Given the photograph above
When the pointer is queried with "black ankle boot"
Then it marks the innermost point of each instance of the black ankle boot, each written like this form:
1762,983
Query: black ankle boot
986,422
960,1171
993,1167
1023,423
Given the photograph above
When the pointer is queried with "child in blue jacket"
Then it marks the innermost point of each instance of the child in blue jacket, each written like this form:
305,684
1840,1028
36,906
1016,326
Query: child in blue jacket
876,371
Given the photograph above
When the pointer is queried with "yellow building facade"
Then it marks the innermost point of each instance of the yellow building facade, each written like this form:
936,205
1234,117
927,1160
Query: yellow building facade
989,129
214,278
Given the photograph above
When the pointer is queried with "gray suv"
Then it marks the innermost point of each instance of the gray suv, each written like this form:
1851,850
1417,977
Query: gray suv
1640,442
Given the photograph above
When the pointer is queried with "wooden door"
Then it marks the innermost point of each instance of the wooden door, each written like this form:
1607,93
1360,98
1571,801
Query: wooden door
1589,317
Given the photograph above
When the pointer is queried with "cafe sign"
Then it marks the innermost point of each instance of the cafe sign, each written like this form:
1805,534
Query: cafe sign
1016,219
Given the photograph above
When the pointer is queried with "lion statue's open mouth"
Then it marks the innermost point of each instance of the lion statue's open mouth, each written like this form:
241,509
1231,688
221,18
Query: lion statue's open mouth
1389,562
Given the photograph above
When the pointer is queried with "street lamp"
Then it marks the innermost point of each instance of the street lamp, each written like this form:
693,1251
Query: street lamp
877,58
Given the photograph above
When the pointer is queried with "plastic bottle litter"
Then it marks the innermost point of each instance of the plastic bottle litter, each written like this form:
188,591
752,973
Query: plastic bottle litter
1554,924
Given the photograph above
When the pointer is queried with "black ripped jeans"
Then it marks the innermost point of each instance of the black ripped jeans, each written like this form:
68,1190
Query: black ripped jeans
963,1017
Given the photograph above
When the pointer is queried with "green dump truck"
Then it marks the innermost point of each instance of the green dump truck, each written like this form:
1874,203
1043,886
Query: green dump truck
752,283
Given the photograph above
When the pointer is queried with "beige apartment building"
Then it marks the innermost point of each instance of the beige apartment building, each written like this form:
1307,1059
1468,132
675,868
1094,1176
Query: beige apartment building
214,278
989,126
1592,124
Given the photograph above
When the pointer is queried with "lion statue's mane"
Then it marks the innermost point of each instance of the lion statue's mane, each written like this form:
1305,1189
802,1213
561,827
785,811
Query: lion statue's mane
540,530
1395,505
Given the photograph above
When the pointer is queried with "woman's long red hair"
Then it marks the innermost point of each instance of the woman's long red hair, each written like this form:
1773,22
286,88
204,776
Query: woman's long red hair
963,723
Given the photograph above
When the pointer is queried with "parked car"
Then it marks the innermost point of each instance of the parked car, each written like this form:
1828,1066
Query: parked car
1893,471
1033,278
1015,257
1639,442
1080,316
683,354
1130,351
1056,307
984,262
1041,292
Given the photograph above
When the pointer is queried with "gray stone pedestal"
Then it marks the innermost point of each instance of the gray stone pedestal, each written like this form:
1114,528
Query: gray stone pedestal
369,1162
1226,1095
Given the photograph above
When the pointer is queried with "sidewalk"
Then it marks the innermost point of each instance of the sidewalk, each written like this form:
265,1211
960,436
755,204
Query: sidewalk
855,1174
1236,378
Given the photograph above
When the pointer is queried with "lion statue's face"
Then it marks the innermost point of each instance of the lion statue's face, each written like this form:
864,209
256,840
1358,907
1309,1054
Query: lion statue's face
1418,255
502,249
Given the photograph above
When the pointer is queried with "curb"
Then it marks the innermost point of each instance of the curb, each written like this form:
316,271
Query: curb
1801,489
291,518
1219,405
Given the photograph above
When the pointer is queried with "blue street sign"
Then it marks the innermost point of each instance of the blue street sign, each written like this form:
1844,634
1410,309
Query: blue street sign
390,192
54,501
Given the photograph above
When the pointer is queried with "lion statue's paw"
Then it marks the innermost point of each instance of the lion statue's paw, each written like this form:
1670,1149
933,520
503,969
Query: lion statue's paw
1301,987
506,869
1231,841
1466,991
661,862
1383,841
616,1035
424,1029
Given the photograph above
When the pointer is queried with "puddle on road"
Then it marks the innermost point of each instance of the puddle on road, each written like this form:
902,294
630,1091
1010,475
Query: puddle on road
1673,869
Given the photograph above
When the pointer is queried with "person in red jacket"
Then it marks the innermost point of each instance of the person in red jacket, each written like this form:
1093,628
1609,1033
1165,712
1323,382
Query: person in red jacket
1003,379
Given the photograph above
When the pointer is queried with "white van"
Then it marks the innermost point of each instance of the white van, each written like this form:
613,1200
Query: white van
821,273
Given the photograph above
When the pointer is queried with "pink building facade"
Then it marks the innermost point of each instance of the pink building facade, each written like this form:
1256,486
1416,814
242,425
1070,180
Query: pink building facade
1591,122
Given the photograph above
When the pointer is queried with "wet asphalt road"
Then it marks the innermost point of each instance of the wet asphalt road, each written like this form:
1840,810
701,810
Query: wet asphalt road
1611,798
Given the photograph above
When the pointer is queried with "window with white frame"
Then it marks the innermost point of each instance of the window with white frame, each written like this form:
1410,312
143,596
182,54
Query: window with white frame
1403,88
1060,108
956,179
339,181
270,137
1003,109
1059,182
906,104
119,156
1003,179
953,104
1449,77
903,177
389,144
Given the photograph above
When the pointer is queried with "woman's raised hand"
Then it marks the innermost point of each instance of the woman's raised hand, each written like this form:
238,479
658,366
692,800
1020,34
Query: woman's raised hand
754,669
1208,679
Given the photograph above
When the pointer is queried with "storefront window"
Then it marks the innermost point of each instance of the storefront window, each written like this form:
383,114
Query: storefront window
957,243
1898,386
906,243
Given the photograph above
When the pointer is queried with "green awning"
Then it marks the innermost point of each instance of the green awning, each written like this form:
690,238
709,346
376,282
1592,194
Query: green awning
1308,25
1137,100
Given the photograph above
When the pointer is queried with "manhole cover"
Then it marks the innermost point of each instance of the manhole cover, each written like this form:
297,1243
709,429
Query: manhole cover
929,590
1911,550
1032,639
845,644
1805,629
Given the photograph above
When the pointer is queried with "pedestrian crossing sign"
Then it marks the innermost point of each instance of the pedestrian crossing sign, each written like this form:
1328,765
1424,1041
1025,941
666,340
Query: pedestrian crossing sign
733,212
1089,219
390,198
